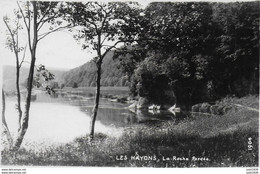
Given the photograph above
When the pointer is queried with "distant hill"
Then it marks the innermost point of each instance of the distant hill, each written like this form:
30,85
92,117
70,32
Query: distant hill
85,75
9,76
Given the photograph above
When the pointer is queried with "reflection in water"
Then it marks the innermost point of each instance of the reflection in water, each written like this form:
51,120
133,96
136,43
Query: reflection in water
54,122
62,117
118,114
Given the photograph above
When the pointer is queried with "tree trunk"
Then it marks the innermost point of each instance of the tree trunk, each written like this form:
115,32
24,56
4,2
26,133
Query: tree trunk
25,118
6,130
95,108
15,47
18,93
252,82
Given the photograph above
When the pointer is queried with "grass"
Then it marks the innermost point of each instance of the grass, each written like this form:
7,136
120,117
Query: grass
206,141
250,101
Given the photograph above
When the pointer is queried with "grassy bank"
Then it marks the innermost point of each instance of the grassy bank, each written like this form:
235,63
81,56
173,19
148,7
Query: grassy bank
201,141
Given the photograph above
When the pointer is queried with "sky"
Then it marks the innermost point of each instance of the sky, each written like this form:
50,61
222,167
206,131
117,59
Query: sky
57,50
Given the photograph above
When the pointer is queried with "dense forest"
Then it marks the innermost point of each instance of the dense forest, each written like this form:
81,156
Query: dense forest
200,51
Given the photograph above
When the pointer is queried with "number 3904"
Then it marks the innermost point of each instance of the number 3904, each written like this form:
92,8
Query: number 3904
250,146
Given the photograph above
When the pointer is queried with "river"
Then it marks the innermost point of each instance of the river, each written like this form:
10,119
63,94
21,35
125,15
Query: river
61,118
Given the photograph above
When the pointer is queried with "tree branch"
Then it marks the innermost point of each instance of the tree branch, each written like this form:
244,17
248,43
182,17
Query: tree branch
40,26
100,7
17,35
103,22
23,56
50,18
22,15
93,23
110,48
57,29
11,33
44,21
27,62
28,26
104,40
46,12
125,41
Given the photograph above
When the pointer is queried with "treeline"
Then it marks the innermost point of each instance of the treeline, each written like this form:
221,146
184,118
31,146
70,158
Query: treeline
85,75
196,51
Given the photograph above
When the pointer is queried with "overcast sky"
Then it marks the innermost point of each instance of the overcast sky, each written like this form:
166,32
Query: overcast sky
57,50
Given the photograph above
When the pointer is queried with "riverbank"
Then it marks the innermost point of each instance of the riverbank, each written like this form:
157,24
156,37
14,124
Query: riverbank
200,141
114,94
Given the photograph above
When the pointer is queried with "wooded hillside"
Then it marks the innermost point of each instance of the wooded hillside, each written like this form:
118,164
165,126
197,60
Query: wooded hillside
199,50
85,75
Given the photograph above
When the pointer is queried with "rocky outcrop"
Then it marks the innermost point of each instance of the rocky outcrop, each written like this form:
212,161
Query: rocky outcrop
142,103
204,108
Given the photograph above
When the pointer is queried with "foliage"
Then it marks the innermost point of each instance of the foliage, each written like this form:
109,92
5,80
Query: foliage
43,78
205,50
152,81
103,25
238,50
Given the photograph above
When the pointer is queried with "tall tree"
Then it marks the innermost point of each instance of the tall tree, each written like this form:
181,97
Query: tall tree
37,17
103,26
13,44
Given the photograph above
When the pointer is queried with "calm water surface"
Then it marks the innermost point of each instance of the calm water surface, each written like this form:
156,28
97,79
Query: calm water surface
61,118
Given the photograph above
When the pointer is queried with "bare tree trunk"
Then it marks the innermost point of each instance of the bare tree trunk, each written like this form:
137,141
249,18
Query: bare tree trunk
18,92
252,82
25,119
4,124
96,104
95,108
15,47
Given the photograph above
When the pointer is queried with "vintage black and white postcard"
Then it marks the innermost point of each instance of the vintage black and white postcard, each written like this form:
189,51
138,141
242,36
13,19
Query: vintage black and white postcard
149,84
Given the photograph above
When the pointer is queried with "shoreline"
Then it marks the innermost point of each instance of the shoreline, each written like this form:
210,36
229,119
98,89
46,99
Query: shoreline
215,141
